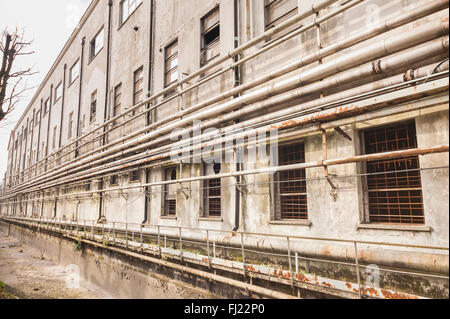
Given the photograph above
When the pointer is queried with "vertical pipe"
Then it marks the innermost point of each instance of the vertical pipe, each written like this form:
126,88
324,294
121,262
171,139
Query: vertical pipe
62,106
48,125
39,137
243,255
83,42
108,61
357,269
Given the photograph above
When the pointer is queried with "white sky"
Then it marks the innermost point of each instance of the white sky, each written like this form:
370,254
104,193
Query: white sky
49,23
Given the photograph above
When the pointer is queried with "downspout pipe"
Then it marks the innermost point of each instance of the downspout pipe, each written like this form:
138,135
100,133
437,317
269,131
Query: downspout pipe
39,132
149,94
83,42
62,106
108,64
48,123
237,82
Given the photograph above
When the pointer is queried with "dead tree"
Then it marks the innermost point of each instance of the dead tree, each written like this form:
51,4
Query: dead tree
11,80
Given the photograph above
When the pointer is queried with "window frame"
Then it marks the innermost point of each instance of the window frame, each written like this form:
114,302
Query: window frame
132,177
58,87
206,211
93,44
75,66
122,19
167,201
277,194
368,217
93,114
174,69
275,22
203,32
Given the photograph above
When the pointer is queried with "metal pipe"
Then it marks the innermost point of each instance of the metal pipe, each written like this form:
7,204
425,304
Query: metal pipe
282,26
378,49
400,78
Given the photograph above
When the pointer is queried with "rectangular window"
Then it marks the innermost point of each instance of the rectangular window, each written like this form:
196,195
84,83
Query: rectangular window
278,11
31,126
290,186
87,186
58,92
93,113
70,128
74,71
135,176
138,85
114,180
96,44
38,117
170,193
393,192
127,7
55,129
47,106
212,192
171,63
210,29
117,100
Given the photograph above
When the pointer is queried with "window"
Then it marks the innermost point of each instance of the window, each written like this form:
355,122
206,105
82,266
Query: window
25,133
170,193
58,92
278,11
96,44
393,191
70,128
31,126
93,113
212,193
74,71
127,7
47,106
171,64
117,100
210,47
87,186
55,129
138,85
135,176
114,180
38,117
290,186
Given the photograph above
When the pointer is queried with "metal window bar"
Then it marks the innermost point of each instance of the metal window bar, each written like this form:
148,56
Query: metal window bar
394,197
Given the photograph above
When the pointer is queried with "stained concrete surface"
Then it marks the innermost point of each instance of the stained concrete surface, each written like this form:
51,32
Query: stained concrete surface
33,276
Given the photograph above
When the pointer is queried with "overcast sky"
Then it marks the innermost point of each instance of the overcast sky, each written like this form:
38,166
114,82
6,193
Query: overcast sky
49,23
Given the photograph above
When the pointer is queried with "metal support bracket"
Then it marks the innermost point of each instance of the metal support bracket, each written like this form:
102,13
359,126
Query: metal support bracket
341,131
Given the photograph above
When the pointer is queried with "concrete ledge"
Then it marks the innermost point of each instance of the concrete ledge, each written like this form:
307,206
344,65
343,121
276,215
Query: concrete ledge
291,222
168,217
395,227
210,219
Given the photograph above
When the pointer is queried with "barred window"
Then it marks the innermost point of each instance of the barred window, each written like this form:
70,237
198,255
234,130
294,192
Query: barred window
171,65
290,186
393,191
170,193
114,180
127,7
278,11
210,46
212,192
135,176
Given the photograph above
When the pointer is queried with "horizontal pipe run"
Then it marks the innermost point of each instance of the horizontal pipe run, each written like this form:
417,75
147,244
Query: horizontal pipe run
287,124
230,55
387,46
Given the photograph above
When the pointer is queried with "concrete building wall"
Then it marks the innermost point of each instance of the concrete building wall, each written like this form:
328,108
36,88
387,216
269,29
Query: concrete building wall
335,214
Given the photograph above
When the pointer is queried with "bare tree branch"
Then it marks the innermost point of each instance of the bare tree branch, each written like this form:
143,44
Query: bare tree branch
12,87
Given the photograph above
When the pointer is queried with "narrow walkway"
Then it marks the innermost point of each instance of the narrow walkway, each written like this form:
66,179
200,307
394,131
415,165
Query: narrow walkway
34,277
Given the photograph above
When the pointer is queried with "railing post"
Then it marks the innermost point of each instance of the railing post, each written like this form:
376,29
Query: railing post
207,248
92,230
357,269
114,233
291,275
103,231
181,246
126,235
142,240
159,241
296,262
243,255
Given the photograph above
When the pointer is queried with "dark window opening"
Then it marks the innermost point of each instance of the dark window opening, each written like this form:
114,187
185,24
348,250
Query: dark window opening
170,193
114,180
212,192
135,176
393,187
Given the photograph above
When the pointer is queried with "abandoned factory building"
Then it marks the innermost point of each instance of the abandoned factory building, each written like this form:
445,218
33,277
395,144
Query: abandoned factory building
323,119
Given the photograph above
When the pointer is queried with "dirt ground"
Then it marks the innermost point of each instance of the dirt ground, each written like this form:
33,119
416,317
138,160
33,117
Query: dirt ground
26,274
